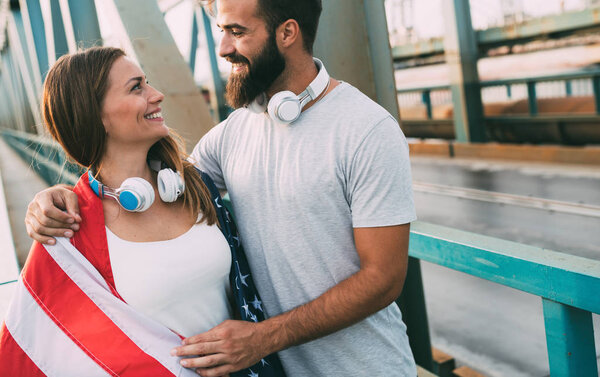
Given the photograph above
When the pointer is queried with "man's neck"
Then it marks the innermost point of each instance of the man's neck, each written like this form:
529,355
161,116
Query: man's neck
296,77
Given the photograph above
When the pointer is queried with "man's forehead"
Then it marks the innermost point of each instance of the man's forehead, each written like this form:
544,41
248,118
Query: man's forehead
241,12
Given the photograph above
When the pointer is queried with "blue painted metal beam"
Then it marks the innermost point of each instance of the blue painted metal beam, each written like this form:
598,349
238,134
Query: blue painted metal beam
39,35
61,46
222,107
194,44
539,28
85,23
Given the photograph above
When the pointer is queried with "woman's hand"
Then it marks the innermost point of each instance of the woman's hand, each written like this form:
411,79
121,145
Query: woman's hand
53,212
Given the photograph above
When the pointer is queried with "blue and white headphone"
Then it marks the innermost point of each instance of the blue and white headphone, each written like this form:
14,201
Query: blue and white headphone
285,107
136,194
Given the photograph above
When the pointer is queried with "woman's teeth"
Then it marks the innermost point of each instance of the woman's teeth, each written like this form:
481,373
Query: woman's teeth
154,115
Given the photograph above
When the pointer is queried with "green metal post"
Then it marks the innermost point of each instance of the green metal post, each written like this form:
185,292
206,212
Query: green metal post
461,52
363,57
509,91
61,46
426,99
414,314
84,18
532,98
568,88
570,340
222,107
596,86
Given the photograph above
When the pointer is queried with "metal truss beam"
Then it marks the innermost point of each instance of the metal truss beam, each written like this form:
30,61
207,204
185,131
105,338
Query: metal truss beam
363,57
556,26
184,107
461,55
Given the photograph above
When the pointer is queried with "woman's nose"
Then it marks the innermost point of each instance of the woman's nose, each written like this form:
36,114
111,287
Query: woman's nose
156,96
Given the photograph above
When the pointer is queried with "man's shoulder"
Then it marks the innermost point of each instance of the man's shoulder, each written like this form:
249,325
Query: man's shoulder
352,104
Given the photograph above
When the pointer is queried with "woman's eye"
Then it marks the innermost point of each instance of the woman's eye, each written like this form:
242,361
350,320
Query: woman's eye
136,87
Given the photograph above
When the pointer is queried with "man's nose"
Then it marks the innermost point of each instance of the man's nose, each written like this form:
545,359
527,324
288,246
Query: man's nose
226,47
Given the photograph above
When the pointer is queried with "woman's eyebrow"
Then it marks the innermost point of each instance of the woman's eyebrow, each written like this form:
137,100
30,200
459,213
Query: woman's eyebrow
138,79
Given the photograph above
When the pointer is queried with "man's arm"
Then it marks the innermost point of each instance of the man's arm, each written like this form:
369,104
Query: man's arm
234,345
53,212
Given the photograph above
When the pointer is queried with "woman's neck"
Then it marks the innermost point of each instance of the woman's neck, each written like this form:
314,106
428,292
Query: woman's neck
117,167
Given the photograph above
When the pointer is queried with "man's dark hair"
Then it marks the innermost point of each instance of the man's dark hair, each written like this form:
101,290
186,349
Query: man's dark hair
305,12
276,12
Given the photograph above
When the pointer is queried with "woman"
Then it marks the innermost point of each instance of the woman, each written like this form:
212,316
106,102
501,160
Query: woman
141,273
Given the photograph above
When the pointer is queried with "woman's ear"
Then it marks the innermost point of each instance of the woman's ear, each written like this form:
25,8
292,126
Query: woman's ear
288,33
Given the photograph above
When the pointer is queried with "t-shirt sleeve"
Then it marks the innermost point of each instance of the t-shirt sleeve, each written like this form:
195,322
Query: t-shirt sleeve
380,185
206,155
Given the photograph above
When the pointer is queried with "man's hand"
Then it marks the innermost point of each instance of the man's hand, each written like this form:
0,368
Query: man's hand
53,212
226,348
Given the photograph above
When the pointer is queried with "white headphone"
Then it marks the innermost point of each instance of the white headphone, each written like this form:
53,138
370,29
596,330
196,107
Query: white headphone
136,194
285,107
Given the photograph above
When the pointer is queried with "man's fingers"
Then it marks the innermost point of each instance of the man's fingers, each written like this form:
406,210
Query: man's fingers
42,231
214,372
49,213
68,200
208,362
209,336
197,349
49,222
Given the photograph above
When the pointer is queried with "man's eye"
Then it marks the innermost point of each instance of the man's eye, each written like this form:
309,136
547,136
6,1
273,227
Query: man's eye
236,33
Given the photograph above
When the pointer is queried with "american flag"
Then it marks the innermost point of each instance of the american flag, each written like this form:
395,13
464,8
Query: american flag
67,319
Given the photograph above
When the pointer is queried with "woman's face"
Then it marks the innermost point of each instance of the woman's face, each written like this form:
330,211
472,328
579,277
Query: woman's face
131,113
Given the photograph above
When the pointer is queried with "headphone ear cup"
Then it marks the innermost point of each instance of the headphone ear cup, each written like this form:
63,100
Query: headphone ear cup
136,194
170,185
259,105
284,107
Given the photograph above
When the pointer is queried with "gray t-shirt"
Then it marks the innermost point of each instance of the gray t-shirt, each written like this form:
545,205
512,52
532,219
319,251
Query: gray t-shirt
298,191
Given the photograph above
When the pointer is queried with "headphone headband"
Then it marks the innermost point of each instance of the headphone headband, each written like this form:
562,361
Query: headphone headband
136,194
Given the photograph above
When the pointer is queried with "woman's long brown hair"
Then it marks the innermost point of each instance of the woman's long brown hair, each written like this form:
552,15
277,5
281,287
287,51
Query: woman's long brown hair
74,91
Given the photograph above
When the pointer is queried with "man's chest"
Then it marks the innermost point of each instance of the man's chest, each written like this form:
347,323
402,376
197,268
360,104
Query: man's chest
285,168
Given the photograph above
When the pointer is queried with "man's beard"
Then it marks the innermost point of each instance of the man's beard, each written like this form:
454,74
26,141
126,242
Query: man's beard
242,88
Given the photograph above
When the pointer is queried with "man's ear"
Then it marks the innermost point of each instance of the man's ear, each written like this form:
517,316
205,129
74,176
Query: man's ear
288,33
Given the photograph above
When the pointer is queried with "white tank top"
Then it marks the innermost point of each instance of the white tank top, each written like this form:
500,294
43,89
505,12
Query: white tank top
182,283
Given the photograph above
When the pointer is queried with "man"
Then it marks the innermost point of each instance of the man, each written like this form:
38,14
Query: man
323,206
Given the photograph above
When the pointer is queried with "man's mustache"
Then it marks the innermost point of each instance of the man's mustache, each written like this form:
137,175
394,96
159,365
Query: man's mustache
235,59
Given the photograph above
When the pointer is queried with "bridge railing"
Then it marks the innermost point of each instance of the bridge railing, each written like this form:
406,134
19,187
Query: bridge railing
567,285
533,126
530,82
45,156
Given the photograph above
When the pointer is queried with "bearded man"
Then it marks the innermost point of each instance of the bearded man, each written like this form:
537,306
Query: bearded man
322,198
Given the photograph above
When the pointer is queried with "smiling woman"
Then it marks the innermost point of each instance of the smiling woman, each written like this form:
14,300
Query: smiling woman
140,274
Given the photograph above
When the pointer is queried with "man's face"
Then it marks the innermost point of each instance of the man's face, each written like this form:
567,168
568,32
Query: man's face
256,60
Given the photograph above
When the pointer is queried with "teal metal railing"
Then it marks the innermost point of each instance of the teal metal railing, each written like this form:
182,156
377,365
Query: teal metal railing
567,78
567,285
45,156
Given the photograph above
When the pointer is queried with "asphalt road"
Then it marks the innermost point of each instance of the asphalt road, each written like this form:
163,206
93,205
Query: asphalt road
494,329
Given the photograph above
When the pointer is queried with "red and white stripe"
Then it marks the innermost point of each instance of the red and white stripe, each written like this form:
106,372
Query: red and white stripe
65,321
